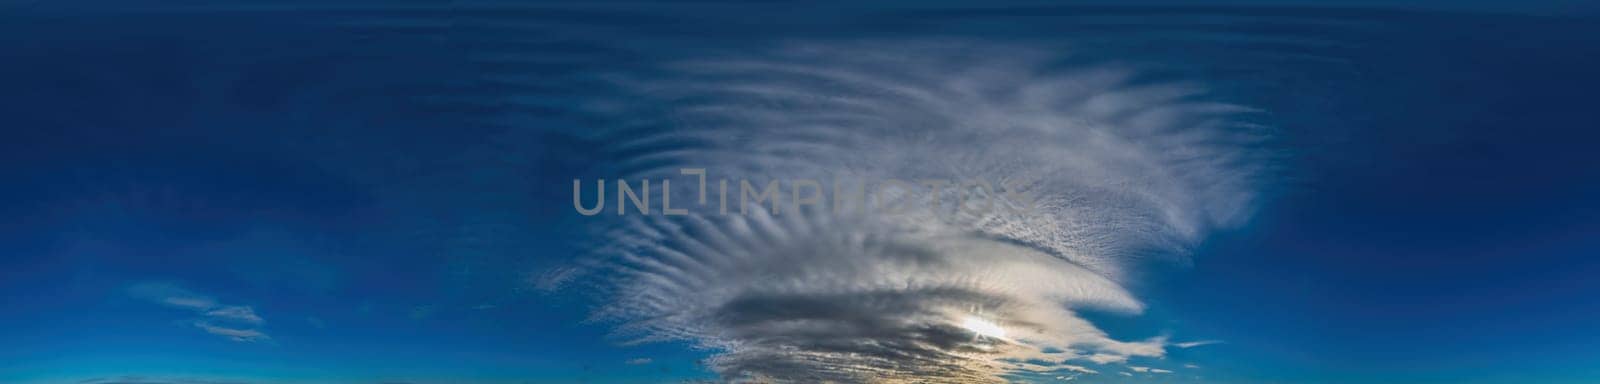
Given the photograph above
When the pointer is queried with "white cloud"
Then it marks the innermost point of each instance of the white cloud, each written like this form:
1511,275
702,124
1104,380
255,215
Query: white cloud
1118,166
1147,369
639,361
1192,366
1075,368
1107,358
1125,374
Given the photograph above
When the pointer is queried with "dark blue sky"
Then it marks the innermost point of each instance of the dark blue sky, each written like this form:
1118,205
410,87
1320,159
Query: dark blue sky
1428,214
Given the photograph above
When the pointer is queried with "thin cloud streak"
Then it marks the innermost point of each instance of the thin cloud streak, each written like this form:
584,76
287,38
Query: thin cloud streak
1192,344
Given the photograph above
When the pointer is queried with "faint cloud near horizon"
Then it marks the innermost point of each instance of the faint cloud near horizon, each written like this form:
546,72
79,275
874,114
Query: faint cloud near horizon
236,322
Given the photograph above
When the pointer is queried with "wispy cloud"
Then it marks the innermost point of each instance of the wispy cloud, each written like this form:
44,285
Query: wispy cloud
195,303
171,295
1192,344
1076,368
236,313
235,334
235,322
1140,369
639,361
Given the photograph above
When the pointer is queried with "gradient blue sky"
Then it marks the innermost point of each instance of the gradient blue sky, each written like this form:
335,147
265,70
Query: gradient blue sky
1432,219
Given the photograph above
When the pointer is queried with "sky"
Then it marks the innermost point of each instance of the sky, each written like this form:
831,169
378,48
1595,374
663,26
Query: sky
253,192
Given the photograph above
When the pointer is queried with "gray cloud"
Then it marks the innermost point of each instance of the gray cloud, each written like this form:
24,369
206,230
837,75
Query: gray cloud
1121,167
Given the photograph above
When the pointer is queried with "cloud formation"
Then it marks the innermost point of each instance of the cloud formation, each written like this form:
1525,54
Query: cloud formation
1120,168
235,322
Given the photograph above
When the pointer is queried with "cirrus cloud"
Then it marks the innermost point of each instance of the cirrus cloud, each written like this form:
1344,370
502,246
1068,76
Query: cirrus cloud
234,322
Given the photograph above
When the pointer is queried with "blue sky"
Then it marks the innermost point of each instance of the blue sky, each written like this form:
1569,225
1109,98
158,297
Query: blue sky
373,194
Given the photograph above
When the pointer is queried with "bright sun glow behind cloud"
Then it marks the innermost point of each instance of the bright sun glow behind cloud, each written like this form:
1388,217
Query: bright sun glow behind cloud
983,327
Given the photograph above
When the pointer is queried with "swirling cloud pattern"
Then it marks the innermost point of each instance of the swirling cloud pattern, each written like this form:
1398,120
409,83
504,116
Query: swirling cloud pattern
1119,168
